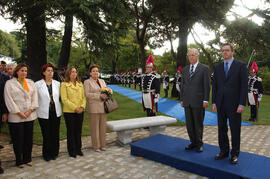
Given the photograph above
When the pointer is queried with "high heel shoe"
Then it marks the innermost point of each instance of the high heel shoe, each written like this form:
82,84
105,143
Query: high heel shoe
30,164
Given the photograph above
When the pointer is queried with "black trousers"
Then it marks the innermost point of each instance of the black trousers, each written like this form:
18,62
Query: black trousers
22,137
253,112
149,112
166,93
235,127
194,124
50,132
74,130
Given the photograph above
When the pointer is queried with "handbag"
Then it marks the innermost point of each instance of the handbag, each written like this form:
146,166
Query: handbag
110,105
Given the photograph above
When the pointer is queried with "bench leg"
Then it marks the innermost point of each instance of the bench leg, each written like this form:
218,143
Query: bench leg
157,129
124,137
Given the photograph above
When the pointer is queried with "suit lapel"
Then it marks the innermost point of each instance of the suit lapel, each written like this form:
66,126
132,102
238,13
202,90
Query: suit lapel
196,71
45,89
20,86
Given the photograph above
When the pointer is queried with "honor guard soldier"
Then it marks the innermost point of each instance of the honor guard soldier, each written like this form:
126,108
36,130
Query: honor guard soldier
125,79
129,78
178,81
134,78
139,78
122,78
255,91
150,88
165,81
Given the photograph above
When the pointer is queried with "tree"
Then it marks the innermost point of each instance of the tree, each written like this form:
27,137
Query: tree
184,14
68,7
141,14
8,45
32,13
247,36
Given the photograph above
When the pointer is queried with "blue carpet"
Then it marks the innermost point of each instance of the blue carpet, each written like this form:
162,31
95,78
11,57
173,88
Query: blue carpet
170,151
168,107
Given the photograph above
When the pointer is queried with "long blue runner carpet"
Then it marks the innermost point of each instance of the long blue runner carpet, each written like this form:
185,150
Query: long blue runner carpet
171,151
168,107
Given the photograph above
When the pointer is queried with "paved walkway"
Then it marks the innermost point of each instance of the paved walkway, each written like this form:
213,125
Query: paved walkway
117,162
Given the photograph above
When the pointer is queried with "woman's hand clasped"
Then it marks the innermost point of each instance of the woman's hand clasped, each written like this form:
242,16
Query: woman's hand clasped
103,97
22,115
79,110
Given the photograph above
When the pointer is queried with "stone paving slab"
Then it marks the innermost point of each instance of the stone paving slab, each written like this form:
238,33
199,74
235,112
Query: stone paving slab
117,162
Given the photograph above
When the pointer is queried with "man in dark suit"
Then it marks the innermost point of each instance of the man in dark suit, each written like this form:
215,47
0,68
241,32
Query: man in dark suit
194,97
3,108
229,95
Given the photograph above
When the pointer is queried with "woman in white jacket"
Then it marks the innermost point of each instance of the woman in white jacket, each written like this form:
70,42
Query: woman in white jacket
21,100
49,112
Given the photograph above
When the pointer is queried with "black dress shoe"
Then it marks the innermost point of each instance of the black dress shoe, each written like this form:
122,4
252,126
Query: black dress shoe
234,160
47,159
80,153
190,146
221,156
72,155
1,146
200,149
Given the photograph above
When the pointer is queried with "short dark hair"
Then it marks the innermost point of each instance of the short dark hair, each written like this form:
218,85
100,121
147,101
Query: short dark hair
94,66
44,68
3,62
229,44
18,67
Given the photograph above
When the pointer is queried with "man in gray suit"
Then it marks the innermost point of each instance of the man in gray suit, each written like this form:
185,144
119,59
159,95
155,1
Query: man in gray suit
194,98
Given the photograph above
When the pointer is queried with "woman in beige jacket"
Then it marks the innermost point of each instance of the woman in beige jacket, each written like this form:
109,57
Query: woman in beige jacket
22,101
95,105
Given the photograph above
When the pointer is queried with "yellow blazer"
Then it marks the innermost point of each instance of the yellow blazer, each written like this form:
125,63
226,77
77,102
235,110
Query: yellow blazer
72,96
92,93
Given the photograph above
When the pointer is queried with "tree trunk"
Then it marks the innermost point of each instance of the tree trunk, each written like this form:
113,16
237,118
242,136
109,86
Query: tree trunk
36,40
142,53
181,57
66,41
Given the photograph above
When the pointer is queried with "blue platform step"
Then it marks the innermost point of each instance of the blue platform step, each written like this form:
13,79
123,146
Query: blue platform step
171,151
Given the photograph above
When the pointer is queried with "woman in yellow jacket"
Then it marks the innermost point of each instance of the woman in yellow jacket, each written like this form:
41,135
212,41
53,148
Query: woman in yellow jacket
74,102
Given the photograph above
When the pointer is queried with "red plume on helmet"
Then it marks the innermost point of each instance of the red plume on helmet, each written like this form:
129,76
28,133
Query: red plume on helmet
179,69
166,69
254,67
150,61
135,70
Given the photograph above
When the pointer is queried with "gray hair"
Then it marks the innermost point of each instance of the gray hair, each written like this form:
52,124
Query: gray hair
195,50
12,65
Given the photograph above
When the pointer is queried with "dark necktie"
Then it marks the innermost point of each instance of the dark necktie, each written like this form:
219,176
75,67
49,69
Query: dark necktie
191,71
226,68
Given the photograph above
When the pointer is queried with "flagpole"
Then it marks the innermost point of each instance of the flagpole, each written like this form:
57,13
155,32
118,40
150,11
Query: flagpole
251,55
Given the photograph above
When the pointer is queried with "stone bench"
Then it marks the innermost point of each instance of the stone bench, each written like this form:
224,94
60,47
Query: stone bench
156,124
